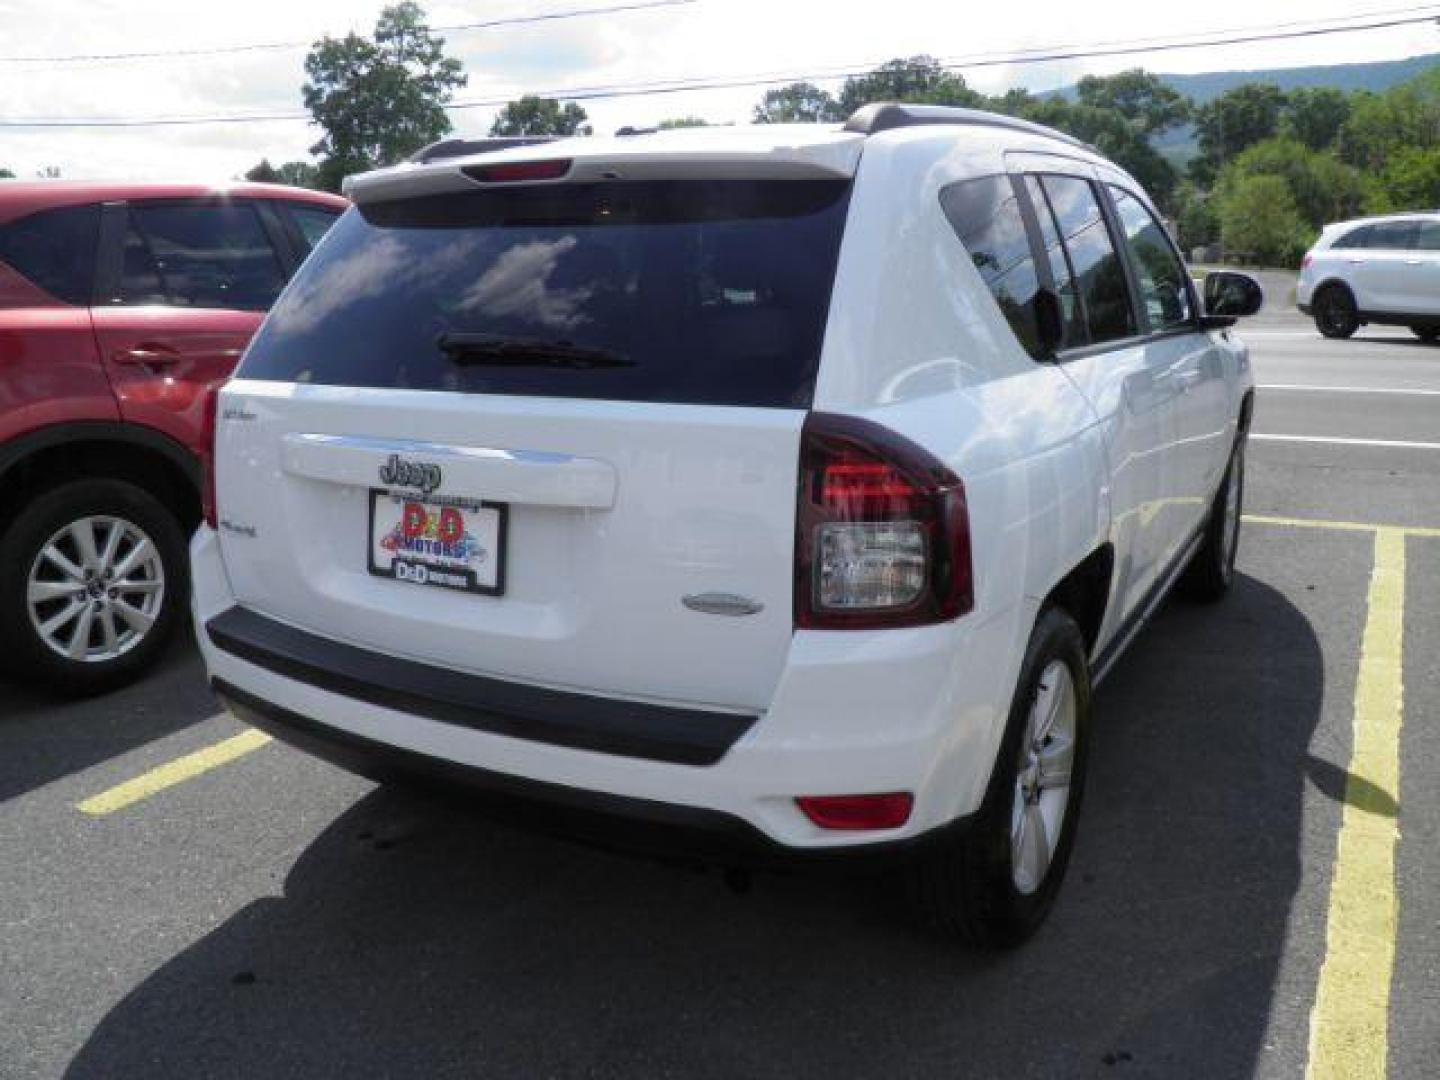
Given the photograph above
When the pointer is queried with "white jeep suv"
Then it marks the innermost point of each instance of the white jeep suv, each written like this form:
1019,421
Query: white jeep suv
774,490
1383,270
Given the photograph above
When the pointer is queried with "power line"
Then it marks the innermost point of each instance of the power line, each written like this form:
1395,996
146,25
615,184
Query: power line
674,86
281,46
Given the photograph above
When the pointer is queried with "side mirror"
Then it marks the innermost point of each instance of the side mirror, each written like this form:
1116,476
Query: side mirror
1050,321
1230,296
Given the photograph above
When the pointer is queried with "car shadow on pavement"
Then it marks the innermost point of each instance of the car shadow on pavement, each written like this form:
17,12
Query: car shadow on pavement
44,737
415,941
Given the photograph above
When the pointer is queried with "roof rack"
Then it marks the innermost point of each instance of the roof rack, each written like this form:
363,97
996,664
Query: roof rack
448,148
883,116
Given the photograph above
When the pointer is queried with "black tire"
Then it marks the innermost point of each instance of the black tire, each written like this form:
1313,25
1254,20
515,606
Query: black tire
964,886
23,650
1212,568
1335,313
1428,334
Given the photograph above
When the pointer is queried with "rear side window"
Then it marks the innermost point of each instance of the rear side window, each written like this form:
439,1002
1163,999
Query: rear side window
203,256
1164,290
1098,269
312,221
55,249
985,214
1355,238
696,291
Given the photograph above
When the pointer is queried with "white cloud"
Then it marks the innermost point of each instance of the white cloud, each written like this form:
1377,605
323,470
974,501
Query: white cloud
722,38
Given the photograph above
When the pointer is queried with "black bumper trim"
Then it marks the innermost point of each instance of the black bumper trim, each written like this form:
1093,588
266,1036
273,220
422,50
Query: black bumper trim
578,721
622,822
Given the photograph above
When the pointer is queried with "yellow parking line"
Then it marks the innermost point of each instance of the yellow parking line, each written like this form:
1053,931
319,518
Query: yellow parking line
172,773
1345,526
1349,1020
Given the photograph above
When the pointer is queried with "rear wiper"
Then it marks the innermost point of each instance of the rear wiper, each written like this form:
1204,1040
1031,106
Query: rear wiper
471,348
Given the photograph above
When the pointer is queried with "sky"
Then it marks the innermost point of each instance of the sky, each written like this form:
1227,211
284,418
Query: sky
721,38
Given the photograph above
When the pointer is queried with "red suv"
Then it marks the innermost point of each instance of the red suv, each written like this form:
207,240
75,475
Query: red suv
121,307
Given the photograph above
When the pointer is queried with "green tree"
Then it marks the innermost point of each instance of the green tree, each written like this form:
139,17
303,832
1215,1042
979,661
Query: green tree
682,122
1195,218
532,115
1138,96
1410,181
1382,125
1238,118
298,174
379,100
1324,189
1259,219
1315,114
797,103
916,80
264,173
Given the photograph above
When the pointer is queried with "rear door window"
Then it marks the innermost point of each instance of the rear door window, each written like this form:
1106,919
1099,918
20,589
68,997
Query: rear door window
1062,274
985,214
55,249
1392,235
1355,238
1427,235
199,255
1164,288
694,291
1098,270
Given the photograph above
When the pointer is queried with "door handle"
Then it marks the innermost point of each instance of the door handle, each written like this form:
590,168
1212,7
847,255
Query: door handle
151,357
1412,262
1356,262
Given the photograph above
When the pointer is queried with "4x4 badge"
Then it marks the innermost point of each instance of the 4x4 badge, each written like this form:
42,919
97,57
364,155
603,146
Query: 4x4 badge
397,472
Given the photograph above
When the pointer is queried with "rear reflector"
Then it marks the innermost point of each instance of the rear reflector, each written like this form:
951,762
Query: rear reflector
519,171
858,812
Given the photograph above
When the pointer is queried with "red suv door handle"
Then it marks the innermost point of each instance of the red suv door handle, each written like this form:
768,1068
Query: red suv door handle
149,356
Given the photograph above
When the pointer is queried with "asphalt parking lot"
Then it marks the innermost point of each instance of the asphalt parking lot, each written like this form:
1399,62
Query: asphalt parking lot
247,911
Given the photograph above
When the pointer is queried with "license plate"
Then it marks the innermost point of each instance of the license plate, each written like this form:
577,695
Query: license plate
446,544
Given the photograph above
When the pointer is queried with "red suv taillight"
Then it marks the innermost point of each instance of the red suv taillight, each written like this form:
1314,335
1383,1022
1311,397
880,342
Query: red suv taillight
882,531
207,456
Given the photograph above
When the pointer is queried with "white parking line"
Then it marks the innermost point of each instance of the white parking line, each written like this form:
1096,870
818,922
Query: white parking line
1347,389
1392,443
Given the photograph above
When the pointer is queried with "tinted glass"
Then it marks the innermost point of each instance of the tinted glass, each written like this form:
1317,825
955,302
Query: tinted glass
1355,238
711,292
199,256
1392,236
55,249
1061,274
312,221
1427,237
1164,288
985,214
1098,269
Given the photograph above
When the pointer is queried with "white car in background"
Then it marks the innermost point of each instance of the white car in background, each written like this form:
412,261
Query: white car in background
1383,270
779,490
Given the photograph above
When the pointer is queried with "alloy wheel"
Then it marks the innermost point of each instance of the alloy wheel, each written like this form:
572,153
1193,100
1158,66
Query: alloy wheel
95,589
1042,779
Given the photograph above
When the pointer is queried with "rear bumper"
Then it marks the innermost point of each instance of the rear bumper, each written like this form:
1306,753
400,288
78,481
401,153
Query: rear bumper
628,824
916,709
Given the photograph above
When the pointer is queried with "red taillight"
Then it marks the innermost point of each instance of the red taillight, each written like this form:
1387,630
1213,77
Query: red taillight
858,812
207,456
1305,262
882,531
519,171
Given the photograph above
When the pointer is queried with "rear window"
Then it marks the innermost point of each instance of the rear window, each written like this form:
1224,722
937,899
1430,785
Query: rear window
709,292
55,249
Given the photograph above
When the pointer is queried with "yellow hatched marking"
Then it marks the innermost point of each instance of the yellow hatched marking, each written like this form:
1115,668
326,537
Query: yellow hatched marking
1348,1023
172,773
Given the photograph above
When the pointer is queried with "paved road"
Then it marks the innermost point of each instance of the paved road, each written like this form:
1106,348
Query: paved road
275,917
